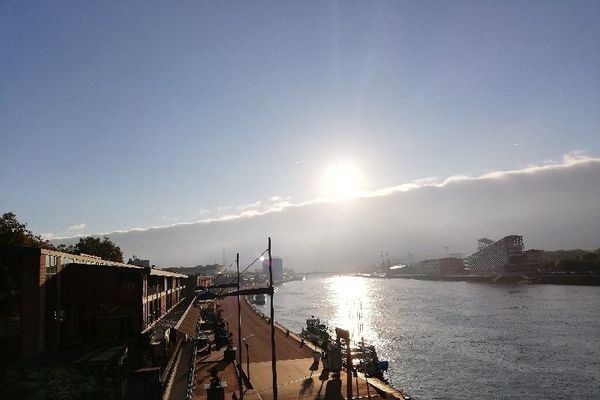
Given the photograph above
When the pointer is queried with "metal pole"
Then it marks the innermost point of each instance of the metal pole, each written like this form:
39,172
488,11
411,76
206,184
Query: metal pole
349,369
273,354
366,378
247,361
237,263
245,340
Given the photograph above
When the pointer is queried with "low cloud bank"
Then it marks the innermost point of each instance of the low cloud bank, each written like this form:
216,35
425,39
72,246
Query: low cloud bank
553,206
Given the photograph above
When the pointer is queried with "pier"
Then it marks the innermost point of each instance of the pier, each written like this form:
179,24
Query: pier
299,377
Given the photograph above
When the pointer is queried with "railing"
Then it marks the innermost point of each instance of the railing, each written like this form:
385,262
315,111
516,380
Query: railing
168,371
152,321
192,374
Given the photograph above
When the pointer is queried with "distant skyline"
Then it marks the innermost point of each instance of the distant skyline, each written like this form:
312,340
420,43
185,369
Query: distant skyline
120,116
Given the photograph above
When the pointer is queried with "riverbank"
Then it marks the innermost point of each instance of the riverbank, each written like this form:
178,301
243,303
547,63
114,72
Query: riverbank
548,279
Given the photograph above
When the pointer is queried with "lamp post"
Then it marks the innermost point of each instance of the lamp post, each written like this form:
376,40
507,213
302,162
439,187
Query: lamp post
247,356
273,352
239,310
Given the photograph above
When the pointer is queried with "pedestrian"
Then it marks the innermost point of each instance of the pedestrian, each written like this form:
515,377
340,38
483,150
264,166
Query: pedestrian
315,365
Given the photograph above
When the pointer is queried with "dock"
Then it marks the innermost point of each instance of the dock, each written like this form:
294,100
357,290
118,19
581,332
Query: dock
295,379
298,375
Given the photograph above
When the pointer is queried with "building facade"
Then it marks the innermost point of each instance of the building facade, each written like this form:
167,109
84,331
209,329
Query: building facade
444,266
57,298
197,282
276,267
504,256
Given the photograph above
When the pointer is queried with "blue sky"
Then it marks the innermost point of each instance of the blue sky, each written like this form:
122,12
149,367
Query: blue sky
131,115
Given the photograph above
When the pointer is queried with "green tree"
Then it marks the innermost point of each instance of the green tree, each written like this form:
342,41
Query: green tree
100,247
13,232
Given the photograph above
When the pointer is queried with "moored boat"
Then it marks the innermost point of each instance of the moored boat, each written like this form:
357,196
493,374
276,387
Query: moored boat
316,332
259,299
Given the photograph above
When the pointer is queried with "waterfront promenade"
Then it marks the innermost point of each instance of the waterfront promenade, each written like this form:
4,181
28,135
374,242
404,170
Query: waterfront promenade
294,361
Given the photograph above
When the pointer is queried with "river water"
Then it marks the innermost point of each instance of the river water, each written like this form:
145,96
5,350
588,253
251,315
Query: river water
460,340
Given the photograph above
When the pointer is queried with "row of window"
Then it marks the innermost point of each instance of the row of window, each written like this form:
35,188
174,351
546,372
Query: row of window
51,266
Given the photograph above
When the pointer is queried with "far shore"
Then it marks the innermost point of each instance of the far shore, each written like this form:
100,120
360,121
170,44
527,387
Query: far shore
552,279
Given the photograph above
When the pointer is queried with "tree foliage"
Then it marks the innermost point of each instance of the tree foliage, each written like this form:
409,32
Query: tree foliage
95,246
573,254
13,232
575,260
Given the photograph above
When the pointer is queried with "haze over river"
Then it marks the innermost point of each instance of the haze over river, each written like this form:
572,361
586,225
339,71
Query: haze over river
459,340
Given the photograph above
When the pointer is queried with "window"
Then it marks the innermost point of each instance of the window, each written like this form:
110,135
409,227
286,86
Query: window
50,265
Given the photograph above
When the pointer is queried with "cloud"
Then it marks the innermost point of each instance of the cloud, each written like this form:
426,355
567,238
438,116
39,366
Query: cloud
249,205
279,198
76,227
553,206
575,157
278,203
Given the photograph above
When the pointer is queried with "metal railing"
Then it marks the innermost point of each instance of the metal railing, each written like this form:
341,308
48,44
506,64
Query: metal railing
192,373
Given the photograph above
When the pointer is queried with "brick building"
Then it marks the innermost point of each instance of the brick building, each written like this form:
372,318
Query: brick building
195,282
53,298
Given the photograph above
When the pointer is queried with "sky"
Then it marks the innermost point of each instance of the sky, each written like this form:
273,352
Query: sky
146,114
552,206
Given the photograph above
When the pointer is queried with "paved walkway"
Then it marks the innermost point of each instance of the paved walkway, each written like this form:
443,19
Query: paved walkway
294,361
226,373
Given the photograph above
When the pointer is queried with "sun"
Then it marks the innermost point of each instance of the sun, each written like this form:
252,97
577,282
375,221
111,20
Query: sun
342,180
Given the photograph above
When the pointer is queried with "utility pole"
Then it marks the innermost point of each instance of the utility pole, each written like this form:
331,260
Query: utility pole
237,264
344,334
273,354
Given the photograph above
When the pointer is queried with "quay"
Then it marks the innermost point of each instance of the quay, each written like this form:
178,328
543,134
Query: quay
88,327
298,375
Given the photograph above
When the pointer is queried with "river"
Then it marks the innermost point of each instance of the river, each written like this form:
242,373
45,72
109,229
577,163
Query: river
460,340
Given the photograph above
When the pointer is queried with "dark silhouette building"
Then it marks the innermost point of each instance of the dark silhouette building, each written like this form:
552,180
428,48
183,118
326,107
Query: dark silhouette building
504,256
53,298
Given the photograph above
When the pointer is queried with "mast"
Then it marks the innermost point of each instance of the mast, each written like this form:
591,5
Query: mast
273,354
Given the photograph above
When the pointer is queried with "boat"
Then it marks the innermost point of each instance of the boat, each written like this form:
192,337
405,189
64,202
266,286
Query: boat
364,357
316,332
368,361
259,299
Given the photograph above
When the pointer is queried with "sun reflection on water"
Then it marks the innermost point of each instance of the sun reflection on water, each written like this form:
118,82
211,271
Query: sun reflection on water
351,298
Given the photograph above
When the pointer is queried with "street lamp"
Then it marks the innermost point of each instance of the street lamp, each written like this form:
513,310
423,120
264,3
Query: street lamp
247,356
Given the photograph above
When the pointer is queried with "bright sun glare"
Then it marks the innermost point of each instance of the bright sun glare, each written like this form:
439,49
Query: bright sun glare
342,180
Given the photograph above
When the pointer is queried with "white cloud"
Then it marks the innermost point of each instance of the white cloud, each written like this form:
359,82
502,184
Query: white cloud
250,205
76,227
274,203
553,205
575,157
